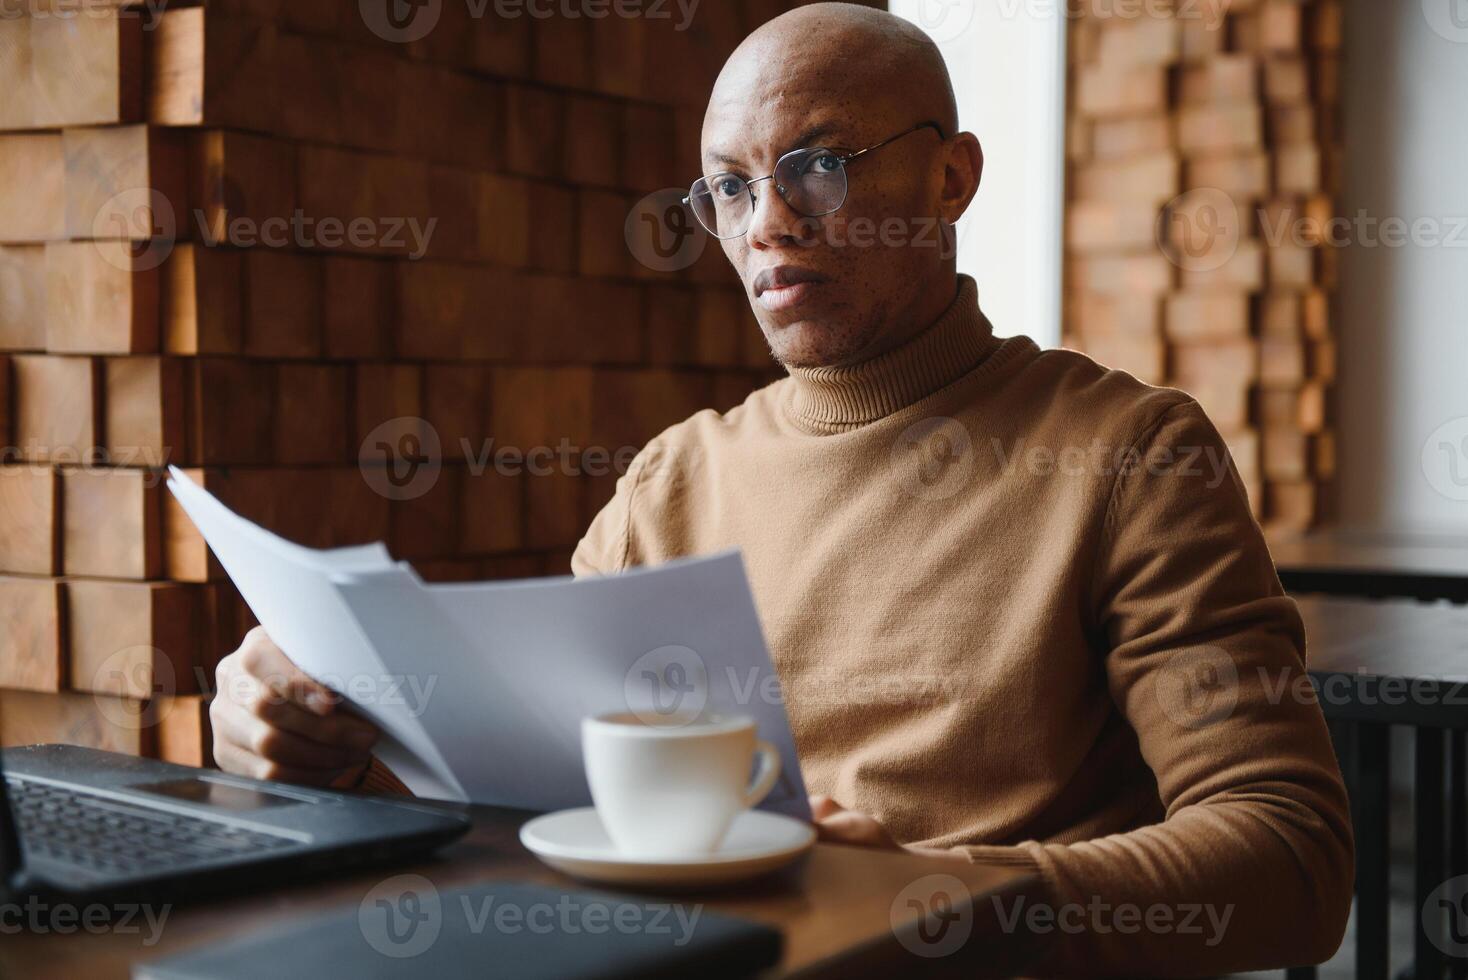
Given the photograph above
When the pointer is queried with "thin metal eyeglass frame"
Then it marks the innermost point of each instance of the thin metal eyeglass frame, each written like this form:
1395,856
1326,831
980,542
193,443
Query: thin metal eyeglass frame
842,159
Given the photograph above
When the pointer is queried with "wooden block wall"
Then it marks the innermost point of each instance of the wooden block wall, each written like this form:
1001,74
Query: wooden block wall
1204,161
148,316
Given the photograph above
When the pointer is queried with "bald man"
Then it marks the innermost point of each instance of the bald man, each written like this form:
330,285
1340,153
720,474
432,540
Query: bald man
1019,606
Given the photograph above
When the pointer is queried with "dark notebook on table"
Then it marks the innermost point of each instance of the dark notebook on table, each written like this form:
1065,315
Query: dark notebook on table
494,929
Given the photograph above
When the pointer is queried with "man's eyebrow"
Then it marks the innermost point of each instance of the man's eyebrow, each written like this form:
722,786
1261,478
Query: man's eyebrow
804,140
812,136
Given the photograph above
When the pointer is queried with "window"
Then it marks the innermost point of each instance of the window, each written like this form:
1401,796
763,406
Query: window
1007,59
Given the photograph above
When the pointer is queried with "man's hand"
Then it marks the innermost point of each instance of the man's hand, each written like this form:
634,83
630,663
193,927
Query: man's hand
837,825
271,721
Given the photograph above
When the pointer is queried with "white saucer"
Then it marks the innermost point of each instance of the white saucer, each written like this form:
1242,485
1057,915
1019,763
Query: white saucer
574,841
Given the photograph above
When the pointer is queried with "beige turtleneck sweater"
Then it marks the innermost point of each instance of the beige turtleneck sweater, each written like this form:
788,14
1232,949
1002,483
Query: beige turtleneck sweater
1018,605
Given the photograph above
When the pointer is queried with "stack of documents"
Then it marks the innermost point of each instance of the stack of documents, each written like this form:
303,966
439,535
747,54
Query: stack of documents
480,688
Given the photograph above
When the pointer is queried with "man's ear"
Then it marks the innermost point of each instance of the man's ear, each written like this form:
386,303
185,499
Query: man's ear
962,171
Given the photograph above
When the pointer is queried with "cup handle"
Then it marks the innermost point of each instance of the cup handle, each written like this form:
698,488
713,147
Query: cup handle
765,775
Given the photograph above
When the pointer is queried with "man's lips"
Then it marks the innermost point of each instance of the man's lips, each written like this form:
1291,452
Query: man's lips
783,286
783,277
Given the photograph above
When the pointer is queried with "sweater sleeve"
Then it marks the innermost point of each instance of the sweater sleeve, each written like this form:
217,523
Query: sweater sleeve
1252,865
603,549
378,778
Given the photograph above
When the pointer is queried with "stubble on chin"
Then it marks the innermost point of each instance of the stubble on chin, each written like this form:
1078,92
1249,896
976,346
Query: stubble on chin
813,346
811,352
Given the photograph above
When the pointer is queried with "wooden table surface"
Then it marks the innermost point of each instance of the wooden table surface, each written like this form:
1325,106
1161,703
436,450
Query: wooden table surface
844,911
1395,661
1388,638
1396,637
1374,563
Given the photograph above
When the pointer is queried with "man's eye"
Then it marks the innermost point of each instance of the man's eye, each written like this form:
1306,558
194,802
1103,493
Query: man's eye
823,163
728,187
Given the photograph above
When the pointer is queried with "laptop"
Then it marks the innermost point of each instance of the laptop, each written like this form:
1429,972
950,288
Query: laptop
77,822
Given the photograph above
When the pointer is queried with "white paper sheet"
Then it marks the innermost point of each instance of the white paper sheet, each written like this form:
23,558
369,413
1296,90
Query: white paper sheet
289,589
480,688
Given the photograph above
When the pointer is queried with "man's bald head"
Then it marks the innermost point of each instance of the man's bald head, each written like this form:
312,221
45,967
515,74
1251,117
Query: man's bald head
844,77
843,50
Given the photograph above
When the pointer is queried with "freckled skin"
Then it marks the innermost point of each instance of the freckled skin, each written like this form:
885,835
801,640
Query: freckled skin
869,75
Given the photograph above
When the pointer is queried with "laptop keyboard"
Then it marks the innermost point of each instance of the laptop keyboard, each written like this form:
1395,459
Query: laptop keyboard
112,837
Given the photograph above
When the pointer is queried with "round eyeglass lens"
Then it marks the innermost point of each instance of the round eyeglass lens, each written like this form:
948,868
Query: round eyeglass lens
721,203
813,182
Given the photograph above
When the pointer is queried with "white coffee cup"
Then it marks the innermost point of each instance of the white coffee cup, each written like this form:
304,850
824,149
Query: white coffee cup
670,790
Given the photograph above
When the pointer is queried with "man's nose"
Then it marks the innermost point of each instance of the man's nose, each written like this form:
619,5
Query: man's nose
774,222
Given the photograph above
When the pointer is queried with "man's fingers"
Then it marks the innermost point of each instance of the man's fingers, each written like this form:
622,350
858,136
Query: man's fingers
236,759
262,660
850,827
302,690
285,747
843,826
340,728
263,681
271,721
822,806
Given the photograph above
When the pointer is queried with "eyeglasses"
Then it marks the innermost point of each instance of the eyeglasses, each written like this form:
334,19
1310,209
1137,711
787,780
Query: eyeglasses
812,181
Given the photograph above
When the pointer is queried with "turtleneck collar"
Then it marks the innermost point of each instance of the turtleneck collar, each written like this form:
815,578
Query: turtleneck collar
826,400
